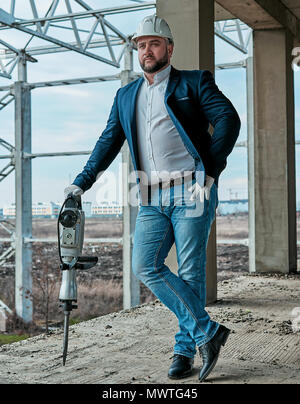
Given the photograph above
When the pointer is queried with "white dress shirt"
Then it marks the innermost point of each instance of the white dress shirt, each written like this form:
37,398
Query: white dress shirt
161,151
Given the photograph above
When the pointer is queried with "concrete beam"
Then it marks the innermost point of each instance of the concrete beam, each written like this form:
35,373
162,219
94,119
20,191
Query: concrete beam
221,14
190,21
131,285
263,14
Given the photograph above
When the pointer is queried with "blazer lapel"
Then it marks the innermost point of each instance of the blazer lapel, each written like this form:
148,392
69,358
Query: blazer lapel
133,128
173,81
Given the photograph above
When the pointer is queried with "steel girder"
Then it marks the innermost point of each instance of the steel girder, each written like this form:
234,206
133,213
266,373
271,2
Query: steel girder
99,33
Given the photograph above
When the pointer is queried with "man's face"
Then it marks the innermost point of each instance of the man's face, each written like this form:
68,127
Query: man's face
154,53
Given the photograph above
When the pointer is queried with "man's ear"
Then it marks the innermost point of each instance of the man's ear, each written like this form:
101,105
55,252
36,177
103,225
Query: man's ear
170,50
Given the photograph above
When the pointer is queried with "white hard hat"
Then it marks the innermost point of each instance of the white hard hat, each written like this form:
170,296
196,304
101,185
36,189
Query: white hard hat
153,26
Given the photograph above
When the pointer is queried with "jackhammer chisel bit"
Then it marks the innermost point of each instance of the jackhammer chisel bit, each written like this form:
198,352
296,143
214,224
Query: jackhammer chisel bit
66,336
67,307
70,230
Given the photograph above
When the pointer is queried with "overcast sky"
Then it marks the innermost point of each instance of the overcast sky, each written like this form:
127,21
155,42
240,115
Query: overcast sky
72,117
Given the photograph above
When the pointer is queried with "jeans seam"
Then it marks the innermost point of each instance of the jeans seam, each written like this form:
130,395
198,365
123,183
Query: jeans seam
162,277
159,248
183,354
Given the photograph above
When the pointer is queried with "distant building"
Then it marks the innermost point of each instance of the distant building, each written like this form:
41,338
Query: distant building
107,209
51,209
87,208
39,209
9,210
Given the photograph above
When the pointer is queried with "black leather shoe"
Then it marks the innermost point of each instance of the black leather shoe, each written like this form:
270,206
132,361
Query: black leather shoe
210,351
181,367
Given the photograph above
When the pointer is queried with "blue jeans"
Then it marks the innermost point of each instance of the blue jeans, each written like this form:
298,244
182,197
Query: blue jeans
168,217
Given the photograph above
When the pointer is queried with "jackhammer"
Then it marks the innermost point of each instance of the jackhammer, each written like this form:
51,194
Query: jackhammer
70,230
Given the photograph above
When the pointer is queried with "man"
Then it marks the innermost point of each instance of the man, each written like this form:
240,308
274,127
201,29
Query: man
165,117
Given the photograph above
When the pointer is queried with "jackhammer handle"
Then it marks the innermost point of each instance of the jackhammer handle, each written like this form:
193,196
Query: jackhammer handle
86,262
88,259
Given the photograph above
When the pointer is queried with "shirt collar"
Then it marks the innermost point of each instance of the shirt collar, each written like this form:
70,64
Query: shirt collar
160,76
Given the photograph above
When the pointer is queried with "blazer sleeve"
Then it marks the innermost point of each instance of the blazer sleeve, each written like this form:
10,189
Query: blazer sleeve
222,115
105,151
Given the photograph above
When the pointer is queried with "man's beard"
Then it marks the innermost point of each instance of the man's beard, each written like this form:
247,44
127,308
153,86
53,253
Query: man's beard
157,66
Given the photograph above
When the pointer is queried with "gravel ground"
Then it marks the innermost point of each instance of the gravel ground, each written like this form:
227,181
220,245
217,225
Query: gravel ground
135,346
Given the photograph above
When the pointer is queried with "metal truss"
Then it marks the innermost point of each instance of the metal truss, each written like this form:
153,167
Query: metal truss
6,99
6,224
9,227
224,27
8,253
232,65
83,80
11,165
6,69
96,32
53,26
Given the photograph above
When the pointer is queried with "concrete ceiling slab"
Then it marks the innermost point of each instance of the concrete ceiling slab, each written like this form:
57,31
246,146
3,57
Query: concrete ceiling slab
221,14
264,14
250,12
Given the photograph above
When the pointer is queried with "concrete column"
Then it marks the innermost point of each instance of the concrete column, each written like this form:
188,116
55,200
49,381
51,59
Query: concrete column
271,155
192,24
131,285
23,260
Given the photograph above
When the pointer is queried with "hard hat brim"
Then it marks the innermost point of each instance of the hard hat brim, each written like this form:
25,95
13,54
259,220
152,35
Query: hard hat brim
136,37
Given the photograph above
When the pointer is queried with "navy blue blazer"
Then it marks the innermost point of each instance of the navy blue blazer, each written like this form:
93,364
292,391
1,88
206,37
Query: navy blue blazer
193,100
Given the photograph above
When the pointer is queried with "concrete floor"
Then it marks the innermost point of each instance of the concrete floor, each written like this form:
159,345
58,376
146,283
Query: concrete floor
135,346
